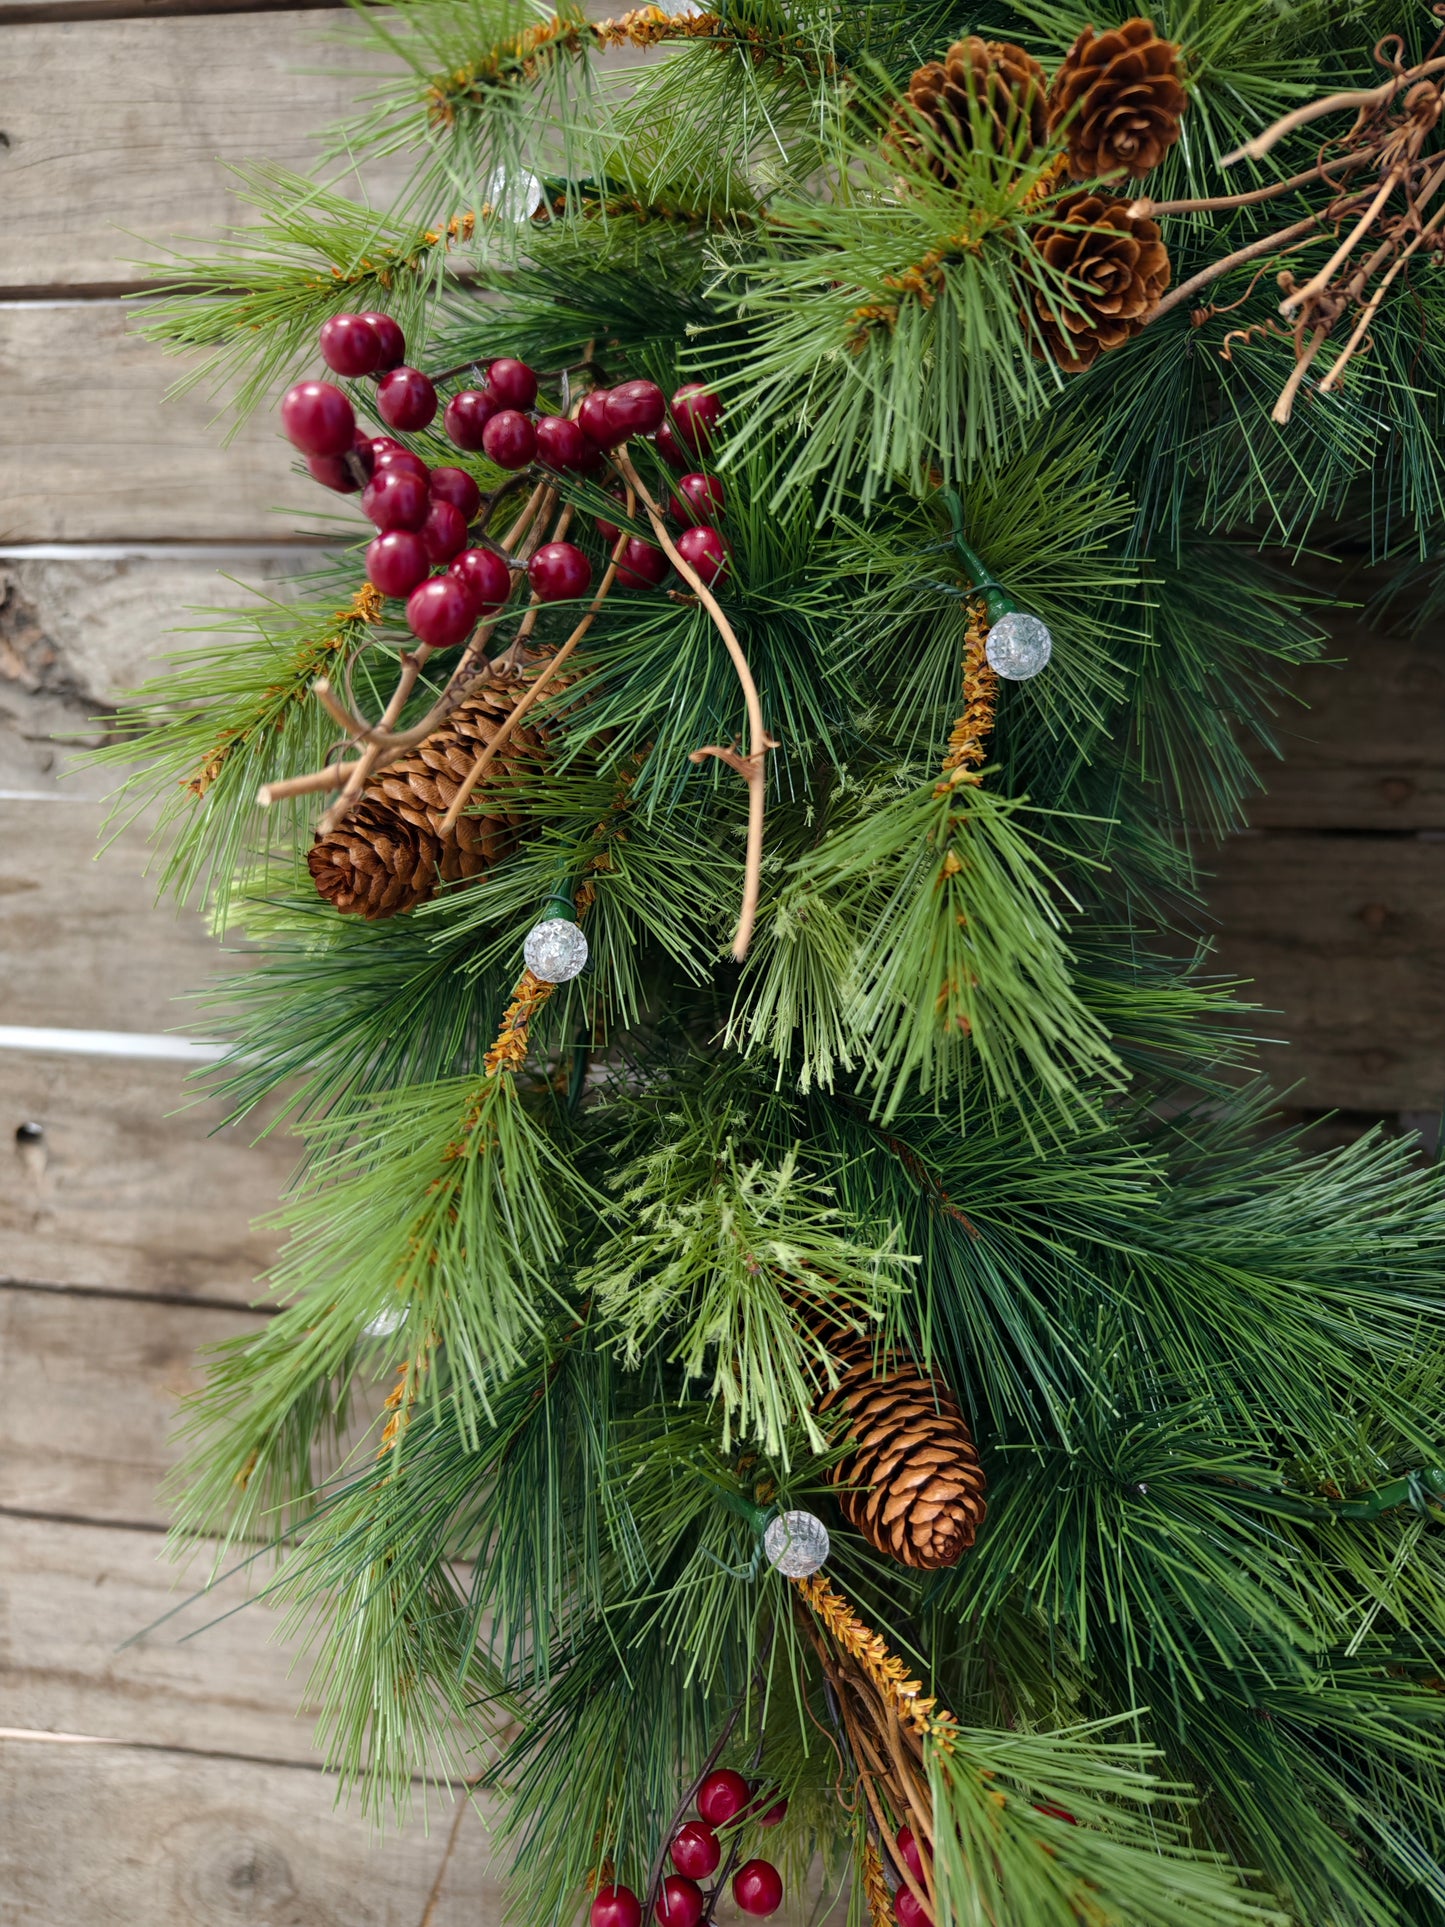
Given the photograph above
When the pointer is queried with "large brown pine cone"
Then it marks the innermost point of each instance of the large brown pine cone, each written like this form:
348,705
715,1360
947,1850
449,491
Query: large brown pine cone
389,854
982,88
915,1485
1116,269
1118,100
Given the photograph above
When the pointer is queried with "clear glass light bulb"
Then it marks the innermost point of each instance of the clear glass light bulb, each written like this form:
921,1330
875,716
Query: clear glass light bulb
796,1543
555,950
1019,646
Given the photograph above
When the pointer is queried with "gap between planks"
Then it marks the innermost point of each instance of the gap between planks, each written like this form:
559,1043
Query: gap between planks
176,1298
40,13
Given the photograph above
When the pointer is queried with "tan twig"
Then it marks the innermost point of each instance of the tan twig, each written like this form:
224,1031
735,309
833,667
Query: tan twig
478,769
1364,99
1219,202
1319,281
1333,379
1176,297
759,741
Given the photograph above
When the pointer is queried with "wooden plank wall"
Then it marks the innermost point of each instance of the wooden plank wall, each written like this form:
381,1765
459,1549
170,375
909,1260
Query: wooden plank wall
169,1779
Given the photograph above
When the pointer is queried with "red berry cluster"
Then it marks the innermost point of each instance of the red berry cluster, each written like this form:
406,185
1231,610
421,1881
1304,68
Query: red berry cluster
423,514
696,1853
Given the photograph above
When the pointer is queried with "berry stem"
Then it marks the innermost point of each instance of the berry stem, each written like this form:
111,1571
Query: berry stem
753,769
478,769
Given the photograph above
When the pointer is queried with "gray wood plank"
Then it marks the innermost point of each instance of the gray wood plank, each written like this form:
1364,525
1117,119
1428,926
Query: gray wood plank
1343,936
99,1835
168,103
91,451
83,942
77,630
74,1595
135,1193
89,1391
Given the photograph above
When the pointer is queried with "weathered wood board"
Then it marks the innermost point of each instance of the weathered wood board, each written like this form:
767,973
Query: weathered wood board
1366,751
76,631
90,1387
95,1836
129,1191
168,105
1345,937
144,468
83,940
73,1595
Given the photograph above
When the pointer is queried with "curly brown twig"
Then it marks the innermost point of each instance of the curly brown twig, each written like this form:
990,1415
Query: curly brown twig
753,768
1362,98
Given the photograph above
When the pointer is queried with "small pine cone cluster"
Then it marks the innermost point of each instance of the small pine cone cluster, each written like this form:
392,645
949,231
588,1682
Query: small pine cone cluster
390,854
914,1487
1107,272
1117,100
983,94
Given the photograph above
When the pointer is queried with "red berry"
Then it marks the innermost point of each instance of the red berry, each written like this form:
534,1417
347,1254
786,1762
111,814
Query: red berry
350,345
699,498
394,498
561,443
695,1851
669,447
680,1902
339,471
467,415
512,382
444,531
696,413
615,1907
396,562
486,576
706,550
609,531
406,399
393,341
317,419
393,455
722,1796
775,1814
592,418
1055,1813
909,1854
559,572
441,612
592,460
509,439
636,408
758,1887
907,1911
641,566
454,485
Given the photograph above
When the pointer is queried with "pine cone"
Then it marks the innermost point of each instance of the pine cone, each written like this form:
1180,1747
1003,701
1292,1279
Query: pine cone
917,1485
1121,98
1116,269
987,86
389,854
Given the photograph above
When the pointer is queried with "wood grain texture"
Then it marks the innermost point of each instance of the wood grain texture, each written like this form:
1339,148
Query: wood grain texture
98,1836
71,1596
136,1194
1344,937
1368,752
76,632
83,941
89,1395
91,451
168,103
